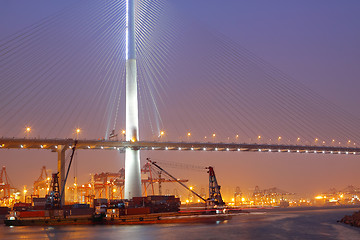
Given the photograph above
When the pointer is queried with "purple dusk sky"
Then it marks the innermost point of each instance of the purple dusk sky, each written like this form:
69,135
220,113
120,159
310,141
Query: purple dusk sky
316,43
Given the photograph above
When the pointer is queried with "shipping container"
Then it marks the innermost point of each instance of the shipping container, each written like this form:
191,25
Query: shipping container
22,206
81,211
39,202
80,205
31,214
4,210
136,211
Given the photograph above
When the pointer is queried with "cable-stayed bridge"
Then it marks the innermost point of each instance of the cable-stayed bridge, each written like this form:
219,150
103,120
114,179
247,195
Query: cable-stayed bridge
69,71
53,145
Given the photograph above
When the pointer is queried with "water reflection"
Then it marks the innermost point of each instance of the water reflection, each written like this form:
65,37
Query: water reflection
270,225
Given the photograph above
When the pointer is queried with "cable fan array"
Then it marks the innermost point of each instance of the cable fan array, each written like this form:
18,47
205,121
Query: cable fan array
67,71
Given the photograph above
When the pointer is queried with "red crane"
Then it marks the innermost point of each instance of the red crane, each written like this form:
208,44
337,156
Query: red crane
5,183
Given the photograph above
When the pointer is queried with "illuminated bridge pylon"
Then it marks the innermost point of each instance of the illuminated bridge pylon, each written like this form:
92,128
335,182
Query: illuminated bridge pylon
132,155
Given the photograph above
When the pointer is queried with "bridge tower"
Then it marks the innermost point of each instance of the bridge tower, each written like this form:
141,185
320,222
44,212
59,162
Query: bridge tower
132,156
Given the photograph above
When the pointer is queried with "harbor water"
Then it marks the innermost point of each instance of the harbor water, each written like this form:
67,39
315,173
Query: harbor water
260,224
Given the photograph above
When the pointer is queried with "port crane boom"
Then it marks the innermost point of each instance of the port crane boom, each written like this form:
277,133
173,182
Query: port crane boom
171,176
67,173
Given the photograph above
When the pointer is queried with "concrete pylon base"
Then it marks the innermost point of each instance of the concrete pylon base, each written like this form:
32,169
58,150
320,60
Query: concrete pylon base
61,169
132,174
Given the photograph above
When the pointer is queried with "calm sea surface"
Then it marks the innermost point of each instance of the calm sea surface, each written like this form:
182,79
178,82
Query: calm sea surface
314,224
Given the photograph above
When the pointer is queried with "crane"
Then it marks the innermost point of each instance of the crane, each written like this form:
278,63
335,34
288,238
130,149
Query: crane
214,199
171,176
53,200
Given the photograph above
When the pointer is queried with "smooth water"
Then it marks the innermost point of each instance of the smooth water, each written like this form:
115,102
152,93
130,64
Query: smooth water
309,224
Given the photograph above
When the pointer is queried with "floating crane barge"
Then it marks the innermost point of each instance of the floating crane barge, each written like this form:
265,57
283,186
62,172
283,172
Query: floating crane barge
139,210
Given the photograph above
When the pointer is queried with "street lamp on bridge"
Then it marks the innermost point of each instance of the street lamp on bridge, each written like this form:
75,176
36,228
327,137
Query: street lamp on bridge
188,135
123,132
27,130
77,131
162,133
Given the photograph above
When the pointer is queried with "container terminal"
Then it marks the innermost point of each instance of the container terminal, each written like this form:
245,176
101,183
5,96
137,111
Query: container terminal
102,202
138,210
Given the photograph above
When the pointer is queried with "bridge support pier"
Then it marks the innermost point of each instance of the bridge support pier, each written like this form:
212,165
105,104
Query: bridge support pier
132,156
61,149
132,174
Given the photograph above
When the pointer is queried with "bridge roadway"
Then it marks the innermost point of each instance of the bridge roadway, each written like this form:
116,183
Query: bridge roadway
61,145
56,144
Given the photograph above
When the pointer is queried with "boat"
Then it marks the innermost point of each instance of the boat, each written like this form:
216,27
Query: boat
152,218
138,210
167,218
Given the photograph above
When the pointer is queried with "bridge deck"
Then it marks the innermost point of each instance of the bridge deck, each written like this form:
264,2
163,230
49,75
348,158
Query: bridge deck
52,144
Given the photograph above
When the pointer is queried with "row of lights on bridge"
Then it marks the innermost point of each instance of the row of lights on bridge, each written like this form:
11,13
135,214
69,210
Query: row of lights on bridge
227,149
28,130
162,133
316,140
270,150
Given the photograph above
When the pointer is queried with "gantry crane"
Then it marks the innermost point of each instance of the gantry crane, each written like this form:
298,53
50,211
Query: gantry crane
42,184
5,185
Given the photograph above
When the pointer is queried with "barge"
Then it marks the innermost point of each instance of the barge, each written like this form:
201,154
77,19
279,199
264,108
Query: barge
138,210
